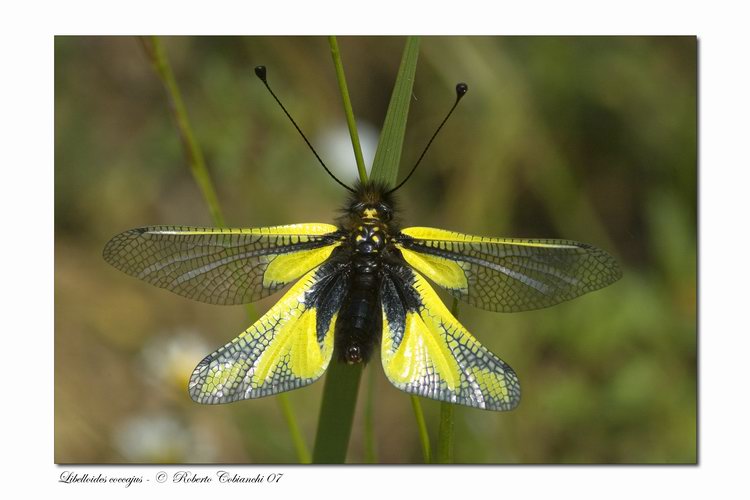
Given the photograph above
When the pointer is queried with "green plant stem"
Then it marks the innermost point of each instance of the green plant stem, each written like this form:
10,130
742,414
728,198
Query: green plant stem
303,454
444,451
371,455
424,437
337,412
194,154
386,163
342,381
348,111
193,151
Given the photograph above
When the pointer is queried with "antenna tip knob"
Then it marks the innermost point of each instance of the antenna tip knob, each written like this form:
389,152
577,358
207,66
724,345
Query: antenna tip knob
260,72
461,90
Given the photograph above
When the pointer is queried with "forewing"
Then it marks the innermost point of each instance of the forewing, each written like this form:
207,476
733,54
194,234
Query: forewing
507,275
221,266
427,352
289,347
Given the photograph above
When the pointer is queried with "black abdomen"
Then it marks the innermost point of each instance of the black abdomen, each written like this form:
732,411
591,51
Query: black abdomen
359,324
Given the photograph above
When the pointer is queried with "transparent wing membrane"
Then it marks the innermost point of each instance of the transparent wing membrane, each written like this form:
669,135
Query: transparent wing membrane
507,275
221,266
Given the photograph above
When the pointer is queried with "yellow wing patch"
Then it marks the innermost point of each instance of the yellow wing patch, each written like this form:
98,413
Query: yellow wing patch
444,272
294,344
422,350
281,351
284,268
426,351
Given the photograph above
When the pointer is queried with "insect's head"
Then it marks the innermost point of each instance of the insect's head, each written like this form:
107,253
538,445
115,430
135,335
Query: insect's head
368,211
371,202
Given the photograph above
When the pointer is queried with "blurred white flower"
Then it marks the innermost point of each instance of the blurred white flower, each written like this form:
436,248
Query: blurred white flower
336,150
170,359
162,438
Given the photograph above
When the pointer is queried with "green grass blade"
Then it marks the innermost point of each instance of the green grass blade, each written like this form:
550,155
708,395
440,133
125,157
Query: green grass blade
337,412
444,451
303,454
424,436
348,111
388,155
371,452
198,168
193,152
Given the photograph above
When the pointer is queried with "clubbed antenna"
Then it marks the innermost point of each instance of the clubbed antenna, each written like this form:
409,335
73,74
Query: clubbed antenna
260,72
461,90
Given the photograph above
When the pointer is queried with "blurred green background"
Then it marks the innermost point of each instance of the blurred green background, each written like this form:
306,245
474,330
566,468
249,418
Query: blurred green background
584,138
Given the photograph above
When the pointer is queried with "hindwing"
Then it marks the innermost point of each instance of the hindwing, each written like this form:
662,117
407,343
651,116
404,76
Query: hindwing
289,347
427,352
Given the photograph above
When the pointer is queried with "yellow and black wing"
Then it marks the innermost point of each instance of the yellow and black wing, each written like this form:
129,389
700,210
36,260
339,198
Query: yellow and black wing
504,274
221,266
289,347
427,352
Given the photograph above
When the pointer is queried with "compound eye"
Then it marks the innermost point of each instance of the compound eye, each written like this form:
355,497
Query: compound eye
357,208
385,211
